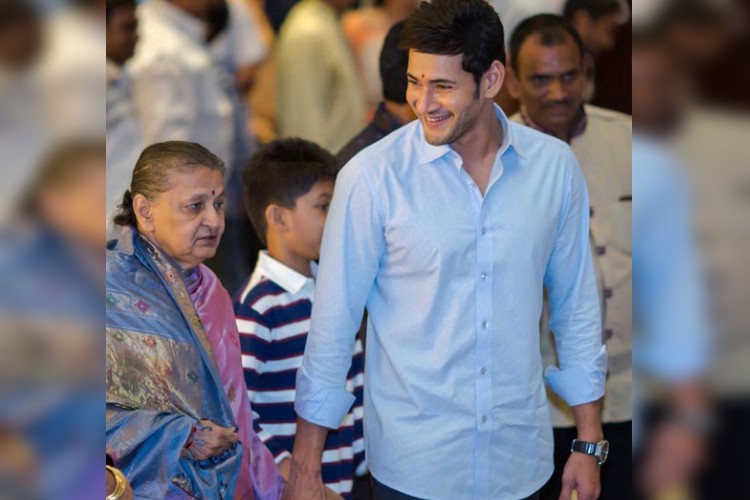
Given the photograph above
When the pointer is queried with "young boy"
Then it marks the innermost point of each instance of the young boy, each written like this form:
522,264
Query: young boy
288,186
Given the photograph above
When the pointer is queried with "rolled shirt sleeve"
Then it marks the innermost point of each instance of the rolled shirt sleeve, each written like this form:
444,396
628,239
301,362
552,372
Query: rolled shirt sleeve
353,242
574,305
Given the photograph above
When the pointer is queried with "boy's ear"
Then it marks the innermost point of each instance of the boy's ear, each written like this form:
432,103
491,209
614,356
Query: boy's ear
275,218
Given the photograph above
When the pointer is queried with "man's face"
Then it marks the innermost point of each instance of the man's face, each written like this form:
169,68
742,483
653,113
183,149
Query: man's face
122,34
187,221
599,36
550,82
443,96
306,220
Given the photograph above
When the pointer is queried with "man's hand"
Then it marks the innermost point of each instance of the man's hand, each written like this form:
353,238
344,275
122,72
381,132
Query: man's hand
301,485
211,440
581,474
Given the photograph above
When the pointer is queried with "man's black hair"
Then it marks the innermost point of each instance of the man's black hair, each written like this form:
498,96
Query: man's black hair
470,28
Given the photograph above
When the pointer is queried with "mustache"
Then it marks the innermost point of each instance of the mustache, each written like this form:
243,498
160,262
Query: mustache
561,102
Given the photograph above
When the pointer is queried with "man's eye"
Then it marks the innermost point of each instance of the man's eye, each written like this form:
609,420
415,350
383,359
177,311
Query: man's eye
539,80
442,87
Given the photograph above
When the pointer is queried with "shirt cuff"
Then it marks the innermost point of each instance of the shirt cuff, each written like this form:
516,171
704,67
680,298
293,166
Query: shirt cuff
320,405
579,384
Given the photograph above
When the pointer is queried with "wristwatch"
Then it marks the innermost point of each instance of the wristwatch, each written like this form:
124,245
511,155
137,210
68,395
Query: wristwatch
599,450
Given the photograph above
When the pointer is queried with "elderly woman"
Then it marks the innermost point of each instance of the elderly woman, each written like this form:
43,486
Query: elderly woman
179,421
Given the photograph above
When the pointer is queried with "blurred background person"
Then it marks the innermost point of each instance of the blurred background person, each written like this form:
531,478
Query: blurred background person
22,127
393,111
71,70
547,76
597,23
124,141
689,62
50,343
179,90
366,28
320,95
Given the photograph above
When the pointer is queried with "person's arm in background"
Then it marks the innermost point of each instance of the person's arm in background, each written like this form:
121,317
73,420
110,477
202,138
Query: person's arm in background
353,243
576,321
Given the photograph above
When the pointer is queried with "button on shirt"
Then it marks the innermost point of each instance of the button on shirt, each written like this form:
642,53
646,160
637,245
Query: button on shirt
455,405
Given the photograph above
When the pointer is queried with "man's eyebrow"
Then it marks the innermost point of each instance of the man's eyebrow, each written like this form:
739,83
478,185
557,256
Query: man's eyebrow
436,80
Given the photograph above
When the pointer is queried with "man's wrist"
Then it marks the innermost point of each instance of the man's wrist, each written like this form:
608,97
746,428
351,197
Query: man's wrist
305,466
591,435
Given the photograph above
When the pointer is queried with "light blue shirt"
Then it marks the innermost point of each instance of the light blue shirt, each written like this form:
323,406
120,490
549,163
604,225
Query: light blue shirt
455,405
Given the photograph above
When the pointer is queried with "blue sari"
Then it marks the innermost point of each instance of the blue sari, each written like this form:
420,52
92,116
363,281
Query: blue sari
161,377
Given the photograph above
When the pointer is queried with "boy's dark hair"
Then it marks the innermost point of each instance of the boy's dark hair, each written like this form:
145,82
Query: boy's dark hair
552,29
471,28
393,65
279,173
594,8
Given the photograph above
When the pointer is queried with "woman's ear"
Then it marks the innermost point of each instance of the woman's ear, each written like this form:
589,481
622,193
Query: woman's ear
143,212
275,218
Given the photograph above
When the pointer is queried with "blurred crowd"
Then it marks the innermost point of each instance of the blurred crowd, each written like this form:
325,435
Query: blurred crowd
232,75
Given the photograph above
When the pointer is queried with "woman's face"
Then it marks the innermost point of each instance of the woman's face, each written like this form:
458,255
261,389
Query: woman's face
187,220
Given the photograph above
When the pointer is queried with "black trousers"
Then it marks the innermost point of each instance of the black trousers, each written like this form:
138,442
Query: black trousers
383,492
616,473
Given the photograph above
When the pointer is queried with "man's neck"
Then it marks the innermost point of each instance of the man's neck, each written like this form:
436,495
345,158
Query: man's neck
565,133
482,141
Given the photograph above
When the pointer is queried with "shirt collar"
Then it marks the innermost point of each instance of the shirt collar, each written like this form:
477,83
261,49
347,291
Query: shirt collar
283,275
427,153
577,128
191,26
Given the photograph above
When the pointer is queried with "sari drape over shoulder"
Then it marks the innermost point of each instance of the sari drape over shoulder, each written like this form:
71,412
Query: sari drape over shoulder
166,370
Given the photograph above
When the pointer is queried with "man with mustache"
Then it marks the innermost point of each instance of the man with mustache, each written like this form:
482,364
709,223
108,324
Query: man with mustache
447,230
547,77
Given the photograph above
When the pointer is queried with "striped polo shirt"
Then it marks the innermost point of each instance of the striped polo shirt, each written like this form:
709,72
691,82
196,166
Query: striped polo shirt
273,317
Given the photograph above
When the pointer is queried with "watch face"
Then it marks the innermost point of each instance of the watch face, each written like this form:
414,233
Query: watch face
603,451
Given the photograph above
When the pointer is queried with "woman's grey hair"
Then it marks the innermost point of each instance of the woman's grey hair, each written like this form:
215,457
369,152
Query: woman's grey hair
151,172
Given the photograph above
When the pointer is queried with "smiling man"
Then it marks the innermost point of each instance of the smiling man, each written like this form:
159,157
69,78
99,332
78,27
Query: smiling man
447,230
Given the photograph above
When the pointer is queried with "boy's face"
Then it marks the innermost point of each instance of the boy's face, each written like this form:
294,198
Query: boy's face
306,220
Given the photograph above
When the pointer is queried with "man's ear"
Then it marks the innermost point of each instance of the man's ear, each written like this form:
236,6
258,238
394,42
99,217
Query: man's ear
275,218
143,213
492,80
514,87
